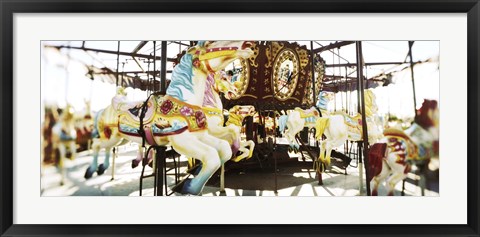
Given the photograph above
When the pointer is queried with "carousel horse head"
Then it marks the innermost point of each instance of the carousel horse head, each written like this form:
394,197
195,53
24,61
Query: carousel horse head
427,117
68,114
371,107
238,112
324,97
224,86
201,61
213,56
243,110
121,91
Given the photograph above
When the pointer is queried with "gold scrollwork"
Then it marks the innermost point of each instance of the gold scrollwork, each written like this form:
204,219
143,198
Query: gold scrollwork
254,57
272,51
243,79
303,56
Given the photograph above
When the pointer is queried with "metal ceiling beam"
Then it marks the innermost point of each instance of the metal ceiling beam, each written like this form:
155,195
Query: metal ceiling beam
333,46
112,52
139,46
180,43
134,72
366,64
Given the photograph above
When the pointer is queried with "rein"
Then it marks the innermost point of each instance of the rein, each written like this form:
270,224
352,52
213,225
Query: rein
141,130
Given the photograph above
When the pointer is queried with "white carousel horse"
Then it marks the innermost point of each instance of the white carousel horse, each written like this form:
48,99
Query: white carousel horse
64,136
338,127
213,108
235,118
333,126
84,127
391,159
374,121
176,119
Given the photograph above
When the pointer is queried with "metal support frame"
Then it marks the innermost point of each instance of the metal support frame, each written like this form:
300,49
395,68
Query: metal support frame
163,68
410,44
364,121
312,59
118,62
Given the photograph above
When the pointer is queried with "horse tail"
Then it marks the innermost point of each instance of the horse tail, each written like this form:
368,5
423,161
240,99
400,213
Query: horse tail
375,157
282,123
96,129
320,125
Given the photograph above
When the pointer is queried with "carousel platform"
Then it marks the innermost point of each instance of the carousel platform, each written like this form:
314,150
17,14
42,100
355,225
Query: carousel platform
254,177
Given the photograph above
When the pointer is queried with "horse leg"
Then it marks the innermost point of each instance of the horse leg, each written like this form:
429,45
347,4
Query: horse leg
190,146
251,145
106,163
321,155
384,173
73,149
139,157
224,152
328,152
244,152
393,180
61,166
94,165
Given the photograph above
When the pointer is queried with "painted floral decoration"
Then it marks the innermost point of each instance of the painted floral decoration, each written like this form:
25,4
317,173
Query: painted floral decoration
167,105
201,119
186,111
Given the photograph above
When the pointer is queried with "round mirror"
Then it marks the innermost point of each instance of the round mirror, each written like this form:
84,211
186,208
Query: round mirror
238,72
285,74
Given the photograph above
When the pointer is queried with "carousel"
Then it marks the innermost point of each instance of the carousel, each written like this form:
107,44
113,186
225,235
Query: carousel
239,118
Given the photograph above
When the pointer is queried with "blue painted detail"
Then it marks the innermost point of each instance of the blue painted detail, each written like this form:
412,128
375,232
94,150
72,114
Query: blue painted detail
182,78
95,132
322,102
282,123
67,137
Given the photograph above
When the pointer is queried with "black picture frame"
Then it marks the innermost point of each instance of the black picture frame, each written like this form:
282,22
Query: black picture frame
10,7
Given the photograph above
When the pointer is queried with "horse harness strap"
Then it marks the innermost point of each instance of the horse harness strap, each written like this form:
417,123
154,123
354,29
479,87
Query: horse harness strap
215,53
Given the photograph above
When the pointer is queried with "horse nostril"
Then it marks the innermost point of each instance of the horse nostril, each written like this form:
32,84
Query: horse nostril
247,44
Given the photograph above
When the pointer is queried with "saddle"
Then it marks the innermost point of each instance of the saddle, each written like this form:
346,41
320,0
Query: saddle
401,143
312,112
134,108
165,116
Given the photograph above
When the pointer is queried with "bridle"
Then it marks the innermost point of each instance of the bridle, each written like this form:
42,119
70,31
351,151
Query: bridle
214,53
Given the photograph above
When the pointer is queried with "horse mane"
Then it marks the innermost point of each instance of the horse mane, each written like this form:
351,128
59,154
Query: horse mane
322,102
422,118
181,81
209,98
370,104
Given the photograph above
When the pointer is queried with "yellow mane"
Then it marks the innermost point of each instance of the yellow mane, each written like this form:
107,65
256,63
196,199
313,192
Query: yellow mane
370,103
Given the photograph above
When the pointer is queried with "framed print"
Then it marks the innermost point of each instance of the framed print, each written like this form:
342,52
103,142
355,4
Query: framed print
333,114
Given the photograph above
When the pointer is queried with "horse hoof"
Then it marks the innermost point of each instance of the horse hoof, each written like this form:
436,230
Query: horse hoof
135,164
374,193
346,162
179,188
61,183
101,169
195,169
88,174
